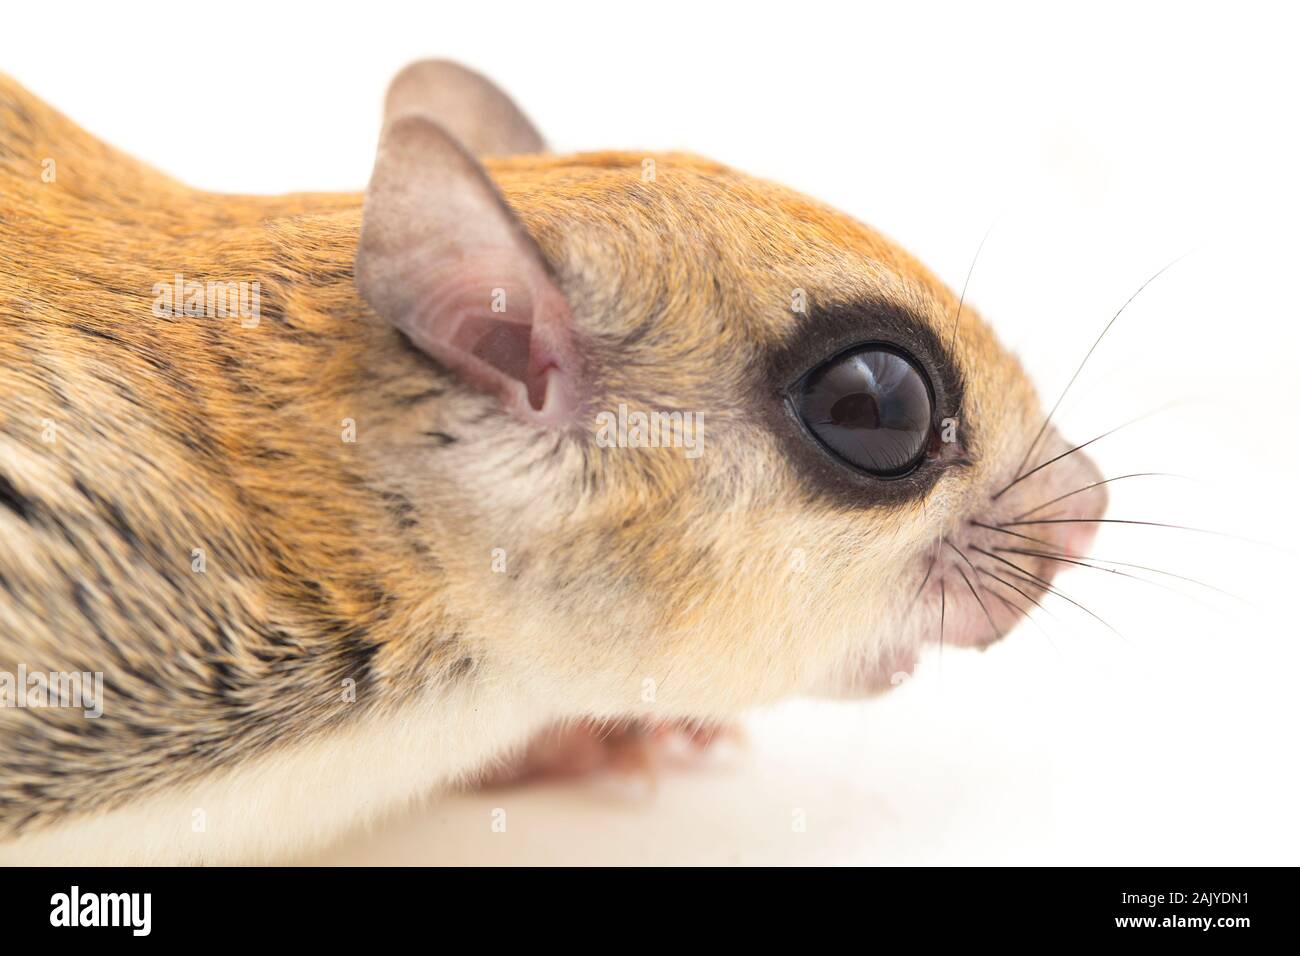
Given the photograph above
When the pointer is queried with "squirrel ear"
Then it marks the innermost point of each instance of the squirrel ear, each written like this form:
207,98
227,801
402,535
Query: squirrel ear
444,260
467,105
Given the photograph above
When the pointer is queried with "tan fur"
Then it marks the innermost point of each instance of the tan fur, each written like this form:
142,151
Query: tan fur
329,561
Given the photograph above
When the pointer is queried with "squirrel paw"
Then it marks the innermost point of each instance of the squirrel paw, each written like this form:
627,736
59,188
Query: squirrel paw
629,747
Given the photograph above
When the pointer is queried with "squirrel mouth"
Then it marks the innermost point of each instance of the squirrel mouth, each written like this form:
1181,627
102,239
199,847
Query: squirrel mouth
982,580
972,587
993,569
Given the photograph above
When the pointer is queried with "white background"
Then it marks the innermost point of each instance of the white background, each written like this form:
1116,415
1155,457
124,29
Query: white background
1100,142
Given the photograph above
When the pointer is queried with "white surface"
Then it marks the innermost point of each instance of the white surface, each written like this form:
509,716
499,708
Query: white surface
1104,142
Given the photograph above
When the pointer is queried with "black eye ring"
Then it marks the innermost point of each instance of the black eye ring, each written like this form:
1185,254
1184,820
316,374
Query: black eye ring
871,407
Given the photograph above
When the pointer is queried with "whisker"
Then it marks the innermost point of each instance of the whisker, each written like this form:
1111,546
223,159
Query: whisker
1124,574
1014,534
957,551
1038,604
969,563
1057,592
1047,421
1148,524
961,554
983,606
1095,484
1157,524
1006,583
1049,588
1017,609
1098,562
965,285
924,581
1067,454
1028,597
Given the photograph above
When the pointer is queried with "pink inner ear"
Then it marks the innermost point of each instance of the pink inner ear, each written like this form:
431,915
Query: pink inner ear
501,344
521,353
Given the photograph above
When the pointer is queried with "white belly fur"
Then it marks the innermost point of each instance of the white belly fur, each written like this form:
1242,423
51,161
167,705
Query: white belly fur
295,799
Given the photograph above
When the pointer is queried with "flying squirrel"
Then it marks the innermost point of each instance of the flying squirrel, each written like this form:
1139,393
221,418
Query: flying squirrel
335,500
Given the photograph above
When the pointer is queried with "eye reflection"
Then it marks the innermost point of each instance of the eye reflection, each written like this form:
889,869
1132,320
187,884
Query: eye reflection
871,407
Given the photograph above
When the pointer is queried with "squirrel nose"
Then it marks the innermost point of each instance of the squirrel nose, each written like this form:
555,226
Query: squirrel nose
1074,520
1086,508
1058,507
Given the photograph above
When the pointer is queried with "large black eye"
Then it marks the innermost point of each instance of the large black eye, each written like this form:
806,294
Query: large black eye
871,406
